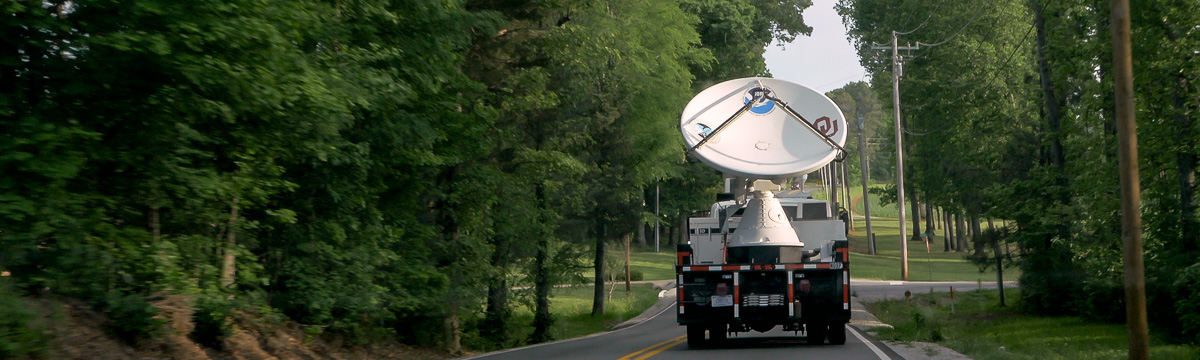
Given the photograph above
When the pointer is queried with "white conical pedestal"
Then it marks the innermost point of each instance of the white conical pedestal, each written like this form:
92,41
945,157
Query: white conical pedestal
764,235
764,224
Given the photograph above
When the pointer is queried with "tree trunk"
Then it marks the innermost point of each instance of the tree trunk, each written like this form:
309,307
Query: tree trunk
1185,160
155,227
975,236
451,235
641,235
929,220
1052,103
960,232
999,266
598,293
156,234
229,260
679,232
941,221
946,243
451,328
916,216
628,277
496,316
541,277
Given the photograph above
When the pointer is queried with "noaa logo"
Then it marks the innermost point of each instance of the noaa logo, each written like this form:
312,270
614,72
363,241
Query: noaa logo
762,106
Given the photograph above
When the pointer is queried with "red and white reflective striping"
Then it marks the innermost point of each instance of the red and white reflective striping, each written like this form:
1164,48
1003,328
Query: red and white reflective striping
835,265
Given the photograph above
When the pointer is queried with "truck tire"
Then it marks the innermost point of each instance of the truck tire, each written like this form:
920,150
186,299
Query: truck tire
837,334
816,333
717,333
695,336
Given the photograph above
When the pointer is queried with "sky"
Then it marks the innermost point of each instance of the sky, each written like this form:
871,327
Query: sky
824,61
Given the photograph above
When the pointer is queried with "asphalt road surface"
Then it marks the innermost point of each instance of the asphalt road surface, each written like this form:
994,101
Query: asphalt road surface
660,338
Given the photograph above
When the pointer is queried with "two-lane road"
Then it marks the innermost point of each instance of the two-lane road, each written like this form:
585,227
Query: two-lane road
660,338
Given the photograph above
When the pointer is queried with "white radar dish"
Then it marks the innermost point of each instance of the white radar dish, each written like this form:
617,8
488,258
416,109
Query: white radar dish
765,142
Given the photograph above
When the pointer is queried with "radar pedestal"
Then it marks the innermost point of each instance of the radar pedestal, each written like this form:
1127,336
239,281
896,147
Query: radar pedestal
765,234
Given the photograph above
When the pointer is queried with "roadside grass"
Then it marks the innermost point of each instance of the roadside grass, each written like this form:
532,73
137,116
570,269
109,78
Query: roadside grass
654,266
571,308
981,329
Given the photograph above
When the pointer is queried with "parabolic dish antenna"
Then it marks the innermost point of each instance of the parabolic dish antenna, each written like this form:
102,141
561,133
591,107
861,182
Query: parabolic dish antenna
766,141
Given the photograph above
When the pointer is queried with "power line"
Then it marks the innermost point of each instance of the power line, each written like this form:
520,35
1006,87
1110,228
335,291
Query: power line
931,14
1011,55
960,30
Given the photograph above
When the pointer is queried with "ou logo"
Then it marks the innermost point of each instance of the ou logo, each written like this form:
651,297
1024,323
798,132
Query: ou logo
826,126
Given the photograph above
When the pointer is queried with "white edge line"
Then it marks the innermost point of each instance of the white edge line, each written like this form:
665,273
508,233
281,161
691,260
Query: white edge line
871,345
660,312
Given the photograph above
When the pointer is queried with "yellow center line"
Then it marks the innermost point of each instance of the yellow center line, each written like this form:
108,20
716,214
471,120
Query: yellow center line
655,349
660,349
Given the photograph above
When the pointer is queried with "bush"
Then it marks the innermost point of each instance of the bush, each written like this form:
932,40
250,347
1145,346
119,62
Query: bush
1188,303
131,317
634,275
211,320
19,334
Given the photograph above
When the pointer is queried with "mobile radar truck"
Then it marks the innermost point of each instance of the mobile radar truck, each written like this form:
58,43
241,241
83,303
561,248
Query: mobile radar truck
766,257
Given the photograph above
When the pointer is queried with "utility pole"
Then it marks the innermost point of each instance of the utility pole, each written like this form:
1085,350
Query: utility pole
847,196
897,70
831,176
1131,217
866,171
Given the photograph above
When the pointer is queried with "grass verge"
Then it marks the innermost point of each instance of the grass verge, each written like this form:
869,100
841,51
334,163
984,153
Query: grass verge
981,329
654,266
571,308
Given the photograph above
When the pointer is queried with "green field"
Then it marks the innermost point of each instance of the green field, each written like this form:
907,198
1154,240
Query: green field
654,266
981,329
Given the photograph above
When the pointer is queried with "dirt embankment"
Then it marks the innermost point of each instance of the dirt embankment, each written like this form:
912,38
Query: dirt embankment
78,333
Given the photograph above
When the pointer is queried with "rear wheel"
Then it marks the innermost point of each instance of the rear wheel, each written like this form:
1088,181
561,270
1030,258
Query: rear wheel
816,333
695,336
837,334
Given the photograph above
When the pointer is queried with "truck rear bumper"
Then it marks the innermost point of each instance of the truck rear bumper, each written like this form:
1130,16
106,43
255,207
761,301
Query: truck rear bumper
755,296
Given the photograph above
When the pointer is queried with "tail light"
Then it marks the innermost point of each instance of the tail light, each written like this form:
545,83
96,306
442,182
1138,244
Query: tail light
805,286
722,289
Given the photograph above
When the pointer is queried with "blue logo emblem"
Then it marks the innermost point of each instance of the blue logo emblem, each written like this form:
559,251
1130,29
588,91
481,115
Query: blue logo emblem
762,106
